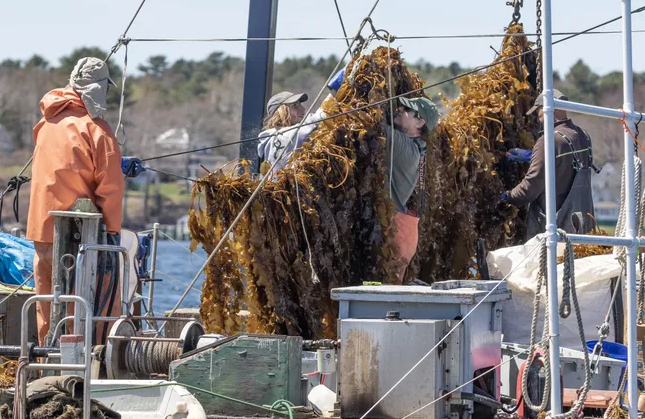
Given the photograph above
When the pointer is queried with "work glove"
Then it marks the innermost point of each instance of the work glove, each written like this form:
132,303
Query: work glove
336,81
503,196
132,166
519,155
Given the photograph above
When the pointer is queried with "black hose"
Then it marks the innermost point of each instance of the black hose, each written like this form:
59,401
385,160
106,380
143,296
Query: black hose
113,283
514,408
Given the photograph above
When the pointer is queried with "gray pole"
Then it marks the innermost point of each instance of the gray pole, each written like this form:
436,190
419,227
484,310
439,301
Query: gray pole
258,74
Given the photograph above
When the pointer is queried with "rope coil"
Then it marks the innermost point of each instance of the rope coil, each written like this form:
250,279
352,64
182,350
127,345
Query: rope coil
569,296
150,357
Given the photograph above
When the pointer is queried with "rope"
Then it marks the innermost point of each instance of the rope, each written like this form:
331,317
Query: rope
604,329
177,280
119,124
455,327
378,103
541,277
389,82
569,295
122,38
407,38
150,357
342,25
627,130
14,184
190,387
17,289
620,252
444,395
614,411
20,409
172,174
179,244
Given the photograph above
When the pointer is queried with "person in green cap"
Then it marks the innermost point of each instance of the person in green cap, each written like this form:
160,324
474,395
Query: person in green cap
414,118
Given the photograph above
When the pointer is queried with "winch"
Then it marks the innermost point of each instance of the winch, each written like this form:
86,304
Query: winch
128,351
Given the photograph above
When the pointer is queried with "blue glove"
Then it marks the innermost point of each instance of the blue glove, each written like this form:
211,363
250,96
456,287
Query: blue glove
503,196
132,166
519,155
337,80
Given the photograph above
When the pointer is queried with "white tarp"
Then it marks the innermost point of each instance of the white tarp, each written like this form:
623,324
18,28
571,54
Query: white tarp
593,284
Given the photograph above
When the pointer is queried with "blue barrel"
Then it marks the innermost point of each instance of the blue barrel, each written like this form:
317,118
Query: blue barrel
612,350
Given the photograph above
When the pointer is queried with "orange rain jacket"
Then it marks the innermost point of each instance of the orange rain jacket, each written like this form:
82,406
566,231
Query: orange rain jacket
75,157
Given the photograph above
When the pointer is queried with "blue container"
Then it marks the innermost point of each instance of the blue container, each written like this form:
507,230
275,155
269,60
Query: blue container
612,350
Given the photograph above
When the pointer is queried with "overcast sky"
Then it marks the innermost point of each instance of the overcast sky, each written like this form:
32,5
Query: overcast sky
53,28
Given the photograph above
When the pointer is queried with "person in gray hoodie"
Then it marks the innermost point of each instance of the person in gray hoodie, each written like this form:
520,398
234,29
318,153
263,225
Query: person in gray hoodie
284,113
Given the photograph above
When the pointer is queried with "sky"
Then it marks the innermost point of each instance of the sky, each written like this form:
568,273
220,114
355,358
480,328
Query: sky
53,28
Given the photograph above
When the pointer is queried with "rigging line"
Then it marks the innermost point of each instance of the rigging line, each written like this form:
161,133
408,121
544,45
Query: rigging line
172,174
472,380
169,237
342,25
340,38
228,231
587,31
389,82
178,280
374,104
119,125
17,289
537,246
115,48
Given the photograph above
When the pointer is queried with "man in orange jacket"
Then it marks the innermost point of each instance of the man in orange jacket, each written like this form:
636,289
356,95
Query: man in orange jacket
76,155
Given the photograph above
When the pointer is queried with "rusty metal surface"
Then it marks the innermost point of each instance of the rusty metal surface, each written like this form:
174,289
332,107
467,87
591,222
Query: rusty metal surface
377,353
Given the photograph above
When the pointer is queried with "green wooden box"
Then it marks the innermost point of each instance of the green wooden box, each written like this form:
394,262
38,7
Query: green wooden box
255,368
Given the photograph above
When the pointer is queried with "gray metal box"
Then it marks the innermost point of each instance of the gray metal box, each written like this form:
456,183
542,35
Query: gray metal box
571,365
447,300
377,353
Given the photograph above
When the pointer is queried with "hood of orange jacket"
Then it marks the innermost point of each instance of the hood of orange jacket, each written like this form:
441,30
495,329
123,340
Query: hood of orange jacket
57,100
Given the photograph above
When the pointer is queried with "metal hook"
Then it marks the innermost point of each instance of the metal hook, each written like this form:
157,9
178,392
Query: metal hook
71,266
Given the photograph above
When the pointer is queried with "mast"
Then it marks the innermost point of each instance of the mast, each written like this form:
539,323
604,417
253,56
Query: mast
258,74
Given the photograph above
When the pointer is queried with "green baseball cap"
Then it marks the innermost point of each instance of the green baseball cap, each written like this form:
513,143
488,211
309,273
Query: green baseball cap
424,108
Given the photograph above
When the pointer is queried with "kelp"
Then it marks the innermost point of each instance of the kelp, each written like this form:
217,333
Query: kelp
467,170
8,373
585,250
346,228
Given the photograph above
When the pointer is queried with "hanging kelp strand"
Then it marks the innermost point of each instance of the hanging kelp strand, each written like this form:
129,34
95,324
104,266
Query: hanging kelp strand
264,266
467,170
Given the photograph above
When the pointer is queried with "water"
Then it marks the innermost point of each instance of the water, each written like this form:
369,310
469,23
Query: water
179,263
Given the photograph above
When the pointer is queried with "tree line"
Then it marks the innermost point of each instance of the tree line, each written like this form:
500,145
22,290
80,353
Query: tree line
205,96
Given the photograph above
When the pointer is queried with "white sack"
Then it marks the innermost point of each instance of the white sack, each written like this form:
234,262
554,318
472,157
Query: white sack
593,283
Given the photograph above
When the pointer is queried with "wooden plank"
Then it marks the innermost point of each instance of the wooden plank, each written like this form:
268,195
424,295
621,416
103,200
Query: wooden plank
64,242
596,399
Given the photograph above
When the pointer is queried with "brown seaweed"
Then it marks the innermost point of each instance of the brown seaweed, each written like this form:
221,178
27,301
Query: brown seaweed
263,266
467,170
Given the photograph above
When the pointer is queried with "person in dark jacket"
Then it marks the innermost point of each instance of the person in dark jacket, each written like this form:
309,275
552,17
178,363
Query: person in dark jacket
573,164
